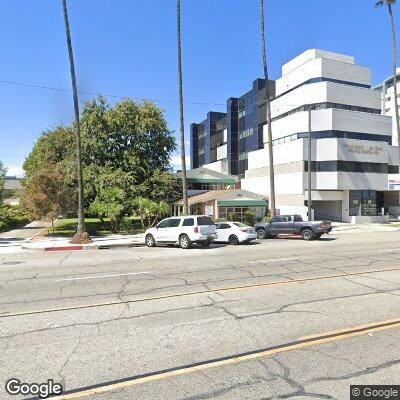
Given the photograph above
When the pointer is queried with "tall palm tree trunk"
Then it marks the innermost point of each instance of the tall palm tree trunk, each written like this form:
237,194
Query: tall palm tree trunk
268,107
394,55
181,114
81,231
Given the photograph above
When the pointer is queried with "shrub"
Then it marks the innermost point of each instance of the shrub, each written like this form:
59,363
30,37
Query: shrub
249,217
129,226
233,217
12,217
220,220
267,217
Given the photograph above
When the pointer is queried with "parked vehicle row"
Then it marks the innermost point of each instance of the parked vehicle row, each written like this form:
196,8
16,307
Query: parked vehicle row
200,229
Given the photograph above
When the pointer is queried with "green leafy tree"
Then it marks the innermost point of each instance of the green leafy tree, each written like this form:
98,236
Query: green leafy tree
3,171
110,203
55,147
390,4
46,197
127,146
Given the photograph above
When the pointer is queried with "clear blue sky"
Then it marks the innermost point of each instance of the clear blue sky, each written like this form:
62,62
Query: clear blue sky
128,48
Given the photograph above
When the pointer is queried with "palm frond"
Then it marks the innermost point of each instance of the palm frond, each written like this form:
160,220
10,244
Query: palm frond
379,3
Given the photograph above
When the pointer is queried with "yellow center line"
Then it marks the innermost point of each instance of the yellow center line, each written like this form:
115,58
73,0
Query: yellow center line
318,339
285,281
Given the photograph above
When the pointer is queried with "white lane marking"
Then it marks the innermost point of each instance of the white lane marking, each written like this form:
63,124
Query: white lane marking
388,251
100,276
277,259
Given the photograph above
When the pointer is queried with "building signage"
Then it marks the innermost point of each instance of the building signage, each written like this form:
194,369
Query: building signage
361,149
209,209
394,184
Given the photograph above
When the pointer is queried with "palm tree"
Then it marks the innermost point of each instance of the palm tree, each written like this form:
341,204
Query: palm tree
143,208
81,235
389,4
159,210
182,127
268,107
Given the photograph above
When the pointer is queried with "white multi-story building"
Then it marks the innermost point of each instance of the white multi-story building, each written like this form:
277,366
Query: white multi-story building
352,153
388,108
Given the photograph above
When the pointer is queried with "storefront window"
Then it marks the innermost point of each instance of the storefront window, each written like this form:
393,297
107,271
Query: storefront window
224,212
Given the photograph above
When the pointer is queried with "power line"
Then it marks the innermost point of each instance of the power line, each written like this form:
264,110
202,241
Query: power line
43,87
106,95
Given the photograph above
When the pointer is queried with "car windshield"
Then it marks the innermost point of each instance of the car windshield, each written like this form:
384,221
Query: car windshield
201,221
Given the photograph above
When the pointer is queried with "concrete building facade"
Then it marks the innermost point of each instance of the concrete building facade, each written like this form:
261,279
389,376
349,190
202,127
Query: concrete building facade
352,152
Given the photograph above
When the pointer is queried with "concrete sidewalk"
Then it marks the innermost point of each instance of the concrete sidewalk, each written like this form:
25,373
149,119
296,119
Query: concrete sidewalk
20,235
342,227
60,244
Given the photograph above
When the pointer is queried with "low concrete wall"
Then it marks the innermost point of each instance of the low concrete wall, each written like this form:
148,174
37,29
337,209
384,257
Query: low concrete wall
377,219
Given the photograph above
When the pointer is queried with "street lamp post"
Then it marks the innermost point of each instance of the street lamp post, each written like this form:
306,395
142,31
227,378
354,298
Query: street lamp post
309,165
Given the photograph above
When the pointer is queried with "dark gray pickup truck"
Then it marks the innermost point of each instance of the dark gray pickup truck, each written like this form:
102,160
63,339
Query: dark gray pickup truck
292,225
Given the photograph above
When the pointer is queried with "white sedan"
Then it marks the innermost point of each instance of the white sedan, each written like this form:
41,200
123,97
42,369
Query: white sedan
234,233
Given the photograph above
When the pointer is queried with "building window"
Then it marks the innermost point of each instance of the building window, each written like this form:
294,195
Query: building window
346,166
224,212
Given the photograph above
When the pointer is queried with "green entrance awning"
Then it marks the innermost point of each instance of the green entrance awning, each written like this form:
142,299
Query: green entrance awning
238,203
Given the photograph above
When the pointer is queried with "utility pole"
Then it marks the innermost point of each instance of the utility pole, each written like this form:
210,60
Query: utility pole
181,114
309,165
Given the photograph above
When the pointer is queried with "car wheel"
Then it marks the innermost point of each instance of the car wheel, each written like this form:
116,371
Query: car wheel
150,241
261,234
205,244
307,234
233,240
185,242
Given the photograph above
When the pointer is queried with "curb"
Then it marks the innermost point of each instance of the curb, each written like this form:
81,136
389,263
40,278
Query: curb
83,247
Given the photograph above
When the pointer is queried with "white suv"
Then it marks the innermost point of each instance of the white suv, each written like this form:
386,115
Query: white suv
183,230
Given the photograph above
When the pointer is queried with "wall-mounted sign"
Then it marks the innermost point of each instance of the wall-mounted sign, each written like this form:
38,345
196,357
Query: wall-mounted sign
209,210
362,149
394,184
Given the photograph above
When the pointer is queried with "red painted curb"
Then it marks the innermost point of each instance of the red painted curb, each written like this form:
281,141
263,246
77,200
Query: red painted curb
63,248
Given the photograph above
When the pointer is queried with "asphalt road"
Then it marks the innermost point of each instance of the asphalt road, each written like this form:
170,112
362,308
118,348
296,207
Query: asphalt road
218,323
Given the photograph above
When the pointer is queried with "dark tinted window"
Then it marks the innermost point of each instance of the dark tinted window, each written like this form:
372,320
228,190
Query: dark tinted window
201,221
223,226
163,224
297,218
173,223
188,222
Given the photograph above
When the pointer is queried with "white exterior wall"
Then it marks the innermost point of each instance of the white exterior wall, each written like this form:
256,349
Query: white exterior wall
312,54
218,166
330,119
322,92
222,152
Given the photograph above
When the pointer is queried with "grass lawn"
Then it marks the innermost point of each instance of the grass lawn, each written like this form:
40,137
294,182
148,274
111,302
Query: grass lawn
95,227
